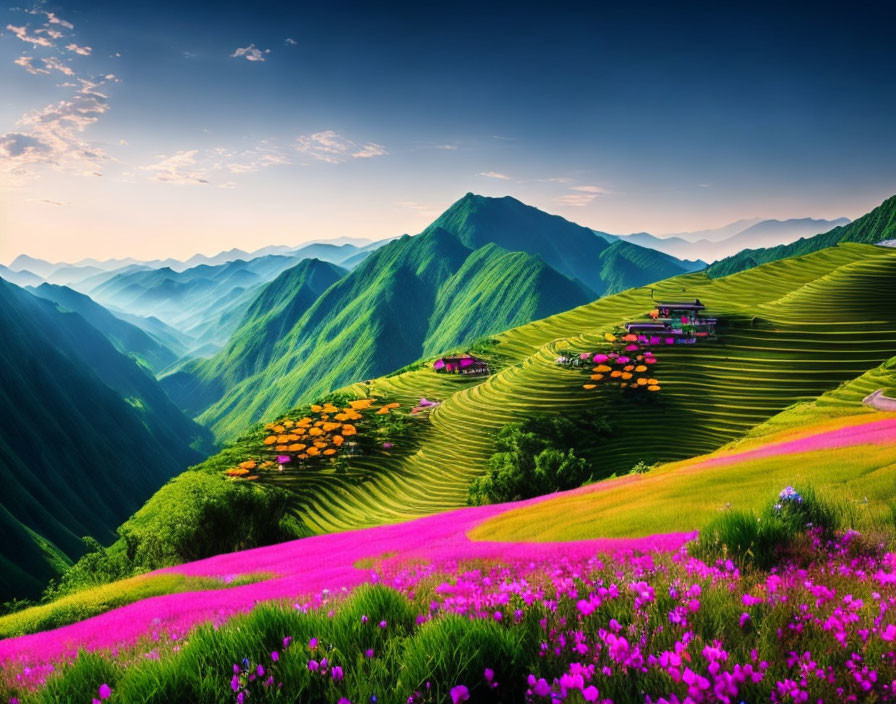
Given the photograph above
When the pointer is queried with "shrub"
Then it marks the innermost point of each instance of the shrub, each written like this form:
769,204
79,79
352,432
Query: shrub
540,455
761,540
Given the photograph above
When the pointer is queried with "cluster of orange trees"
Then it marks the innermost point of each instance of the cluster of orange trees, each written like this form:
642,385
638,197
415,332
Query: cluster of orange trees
321,434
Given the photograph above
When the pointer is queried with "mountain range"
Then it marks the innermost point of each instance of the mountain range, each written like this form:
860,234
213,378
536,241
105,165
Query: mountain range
712,245
484,265
872,228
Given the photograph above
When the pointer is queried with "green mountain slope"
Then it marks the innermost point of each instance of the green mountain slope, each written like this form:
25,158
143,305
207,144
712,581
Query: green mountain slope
569,248
87,436
266,321
625,265
493,289
126,337
485,265
876,226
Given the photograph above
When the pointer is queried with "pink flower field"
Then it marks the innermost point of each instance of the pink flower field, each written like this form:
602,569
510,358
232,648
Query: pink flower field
305,567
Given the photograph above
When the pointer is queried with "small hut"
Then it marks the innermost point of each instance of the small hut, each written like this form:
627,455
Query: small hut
464,364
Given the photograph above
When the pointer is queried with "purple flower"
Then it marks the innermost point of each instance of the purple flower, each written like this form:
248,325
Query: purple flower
286,642
235,683
337,673
275,656
313,665
260,670
312,643
105,691
459,694
368,653
489,674
383,624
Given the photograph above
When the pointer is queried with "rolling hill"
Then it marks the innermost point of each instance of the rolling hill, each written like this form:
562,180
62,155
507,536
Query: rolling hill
87,436
484,265
871,228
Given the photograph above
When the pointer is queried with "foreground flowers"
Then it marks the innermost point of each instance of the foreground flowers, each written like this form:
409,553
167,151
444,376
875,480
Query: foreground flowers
652,628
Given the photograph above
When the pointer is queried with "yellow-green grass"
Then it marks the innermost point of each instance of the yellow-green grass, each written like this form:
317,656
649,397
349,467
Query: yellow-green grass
96,600
684,496
794,330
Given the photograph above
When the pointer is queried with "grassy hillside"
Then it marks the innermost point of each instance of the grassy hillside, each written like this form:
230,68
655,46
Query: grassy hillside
495,289
485,265
876,226
624,265
791,331
87,436
126,337
835,444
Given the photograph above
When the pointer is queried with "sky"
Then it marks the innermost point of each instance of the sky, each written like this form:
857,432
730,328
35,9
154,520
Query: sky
156,129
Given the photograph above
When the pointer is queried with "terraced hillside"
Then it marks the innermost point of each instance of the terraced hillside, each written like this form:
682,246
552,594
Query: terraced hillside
834,444
791,331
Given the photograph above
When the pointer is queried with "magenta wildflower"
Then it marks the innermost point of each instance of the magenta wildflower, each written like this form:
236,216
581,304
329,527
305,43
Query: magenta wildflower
275,656
105,691
337,673
313,665
460,693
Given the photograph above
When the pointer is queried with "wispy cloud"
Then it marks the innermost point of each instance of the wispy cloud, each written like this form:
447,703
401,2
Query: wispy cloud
27,63
559,179
46,201
370,150
180,168
49,64
422,209
576,200
494,174
53,135
596,190
250,53
447,147
289,41
333,148
33,39
52,18
82,50
214,166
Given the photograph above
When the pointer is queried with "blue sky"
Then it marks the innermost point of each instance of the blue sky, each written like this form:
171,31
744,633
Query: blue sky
163,129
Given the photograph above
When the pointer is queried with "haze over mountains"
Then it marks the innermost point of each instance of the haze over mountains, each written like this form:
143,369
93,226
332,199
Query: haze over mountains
874,227
712,245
